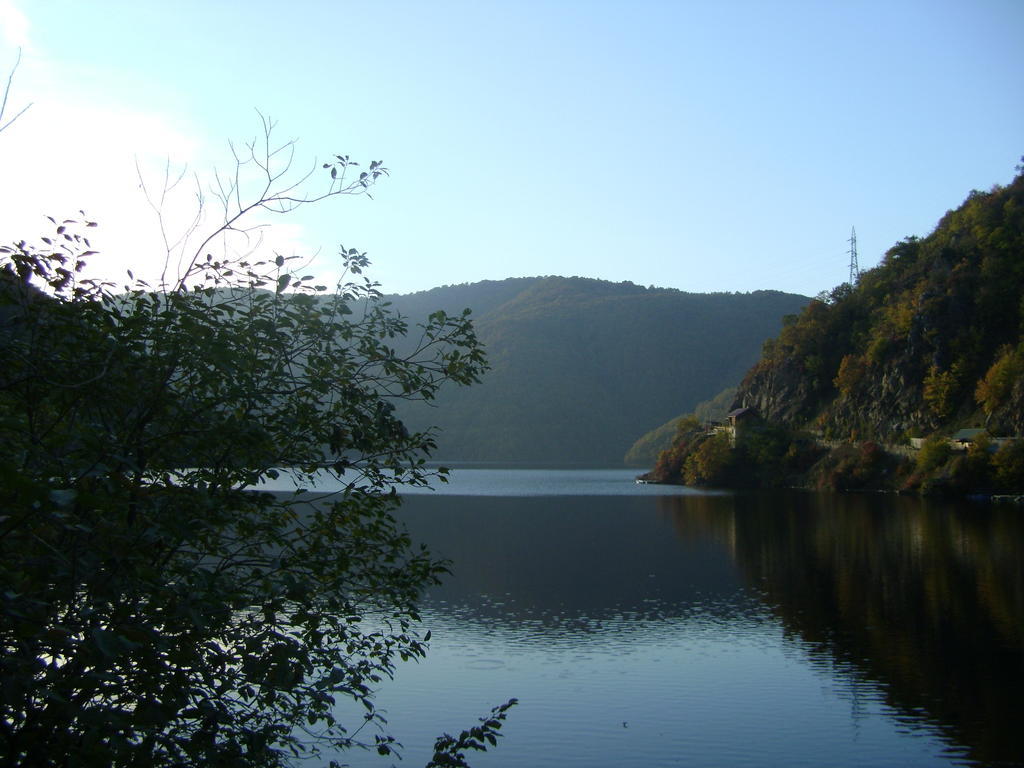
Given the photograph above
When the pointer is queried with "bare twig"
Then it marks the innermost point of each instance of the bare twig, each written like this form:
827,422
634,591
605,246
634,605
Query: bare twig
274,192
262,180
7,92
167,187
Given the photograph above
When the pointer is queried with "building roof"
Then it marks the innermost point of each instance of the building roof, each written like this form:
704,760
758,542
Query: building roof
968,435
740,412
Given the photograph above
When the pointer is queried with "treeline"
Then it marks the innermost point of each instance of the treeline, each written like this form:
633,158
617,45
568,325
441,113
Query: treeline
927,343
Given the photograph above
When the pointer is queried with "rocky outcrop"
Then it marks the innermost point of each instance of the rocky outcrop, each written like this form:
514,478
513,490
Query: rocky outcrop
1009,419
886,407
779,391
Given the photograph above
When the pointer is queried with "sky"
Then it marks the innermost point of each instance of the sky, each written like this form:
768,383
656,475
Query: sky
704,146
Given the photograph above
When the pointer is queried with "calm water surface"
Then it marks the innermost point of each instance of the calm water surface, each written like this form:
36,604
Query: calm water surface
653,626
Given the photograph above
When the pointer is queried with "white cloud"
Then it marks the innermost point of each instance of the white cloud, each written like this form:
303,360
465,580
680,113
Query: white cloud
14,26
80,147
63,156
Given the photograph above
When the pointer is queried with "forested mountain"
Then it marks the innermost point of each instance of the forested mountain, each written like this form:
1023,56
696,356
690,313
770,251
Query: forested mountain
928,343
929,340
581,367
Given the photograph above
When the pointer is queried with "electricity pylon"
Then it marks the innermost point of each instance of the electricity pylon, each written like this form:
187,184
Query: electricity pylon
854,269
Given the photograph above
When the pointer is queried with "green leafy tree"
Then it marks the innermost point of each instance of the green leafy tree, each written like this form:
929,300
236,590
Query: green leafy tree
764,451
688,435
851,372
994,388
156,607
711,463
934,453
1008,463
941,389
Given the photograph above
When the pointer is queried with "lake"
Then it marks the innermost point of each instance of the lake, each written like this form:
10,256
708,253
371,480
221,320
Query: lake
660,626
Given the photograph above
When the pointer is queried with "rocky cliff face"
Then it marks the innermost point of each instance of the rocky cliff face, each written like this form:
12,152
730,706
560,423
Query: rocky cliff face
779,391
887,407
1009,419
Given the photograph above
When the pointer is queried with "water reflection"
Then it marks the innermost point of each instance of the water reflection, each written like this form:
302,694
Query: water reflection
917,608
925,600
554,560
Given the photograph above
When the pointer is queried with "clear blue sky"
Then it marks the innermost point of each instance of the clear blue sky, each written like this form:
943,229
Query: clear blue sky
706,146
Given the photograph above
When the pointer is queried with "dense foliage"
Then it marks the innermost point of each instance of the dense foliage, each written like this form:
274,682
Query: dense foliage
156,608
929,342
581,367
762,455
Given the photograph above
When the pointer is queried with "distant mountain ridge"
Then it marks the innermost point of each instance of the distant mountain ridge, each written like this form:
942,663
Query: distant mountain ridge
581,367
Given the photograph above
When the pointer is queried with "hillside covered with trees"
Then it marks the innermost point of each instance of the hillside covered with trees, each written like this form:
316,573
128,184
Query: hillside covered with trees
924,345
648,447
580,367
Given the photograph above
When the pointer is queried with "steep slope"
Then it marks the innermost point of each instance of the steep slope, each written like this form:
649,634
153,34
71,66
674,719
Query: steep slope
928,343
580,367
911,346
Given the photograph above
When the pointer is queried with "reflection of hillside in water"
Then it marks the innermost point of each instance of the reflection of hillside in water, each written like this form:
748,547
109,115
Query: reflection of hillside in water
925,600
570,565
922,602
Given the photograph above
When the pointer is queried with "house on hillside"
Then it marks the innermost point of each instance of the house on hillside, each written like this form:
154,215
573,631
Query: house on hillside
737,421
965,438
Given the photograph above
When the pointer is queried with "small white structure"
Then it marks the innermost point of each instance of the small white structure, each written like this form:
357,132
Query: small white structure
965,438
